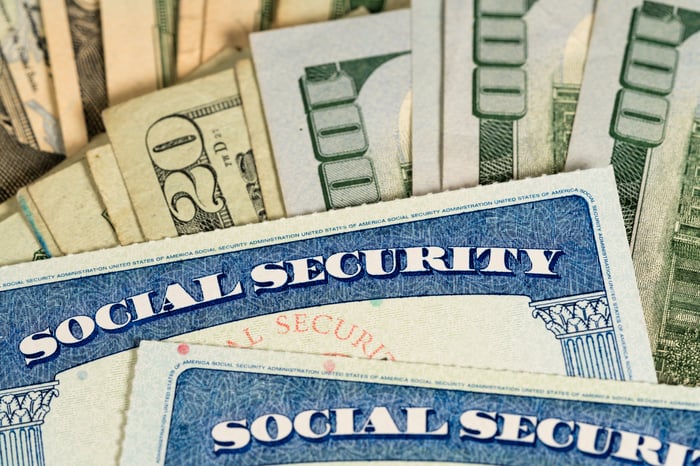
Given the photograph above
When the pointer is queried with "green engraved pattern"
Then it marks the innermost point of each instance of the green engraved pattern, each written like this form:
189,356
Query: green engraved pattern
641,109
500,86
338,134
407,177
678,347
564,101
14,107
267,13
40,255
166,19
340,8
495,151
629,162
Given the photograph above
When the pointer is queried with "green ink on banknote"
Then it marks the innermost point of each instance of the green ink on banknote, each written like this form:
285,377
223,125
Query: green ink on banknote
338,133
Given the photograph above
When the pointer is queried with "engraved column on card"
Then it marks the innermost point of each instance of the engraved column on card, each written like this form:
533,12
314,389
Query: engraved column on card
583,325
22,412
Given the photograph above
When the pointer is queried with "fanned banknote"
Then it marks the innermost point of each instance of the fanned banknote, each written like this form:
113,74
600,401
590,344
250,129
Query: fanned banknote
294,12
426,83
130,48
74,40
186,159
65,210
21,164
18,241
26,87
338,106
228,23
224,60
640,112
208,406
512,74
190,27
109,183
259,139
24,124
531,275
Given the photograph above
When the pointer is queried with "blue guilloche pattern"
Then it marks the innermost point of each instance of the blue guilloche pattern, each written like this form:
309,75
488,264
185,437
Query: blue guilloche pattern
206,397
561,223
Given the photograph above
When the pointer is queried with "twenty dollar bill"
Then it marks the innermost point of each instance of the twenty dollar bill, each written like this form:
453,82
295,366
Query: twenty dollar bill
186,159
640,112
339,111
511,82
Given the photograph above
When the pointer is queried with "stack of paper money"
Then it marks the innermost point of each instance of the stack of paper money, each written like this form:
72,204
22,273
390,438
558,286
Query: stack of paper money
152,150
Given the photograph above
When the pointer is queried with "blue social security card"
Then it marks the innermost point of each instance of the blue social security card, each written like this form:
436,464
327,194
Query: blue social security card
530,275
204,405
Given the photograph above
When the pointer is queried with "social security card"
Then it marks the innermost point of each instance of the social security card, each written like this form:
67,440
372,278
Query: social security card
203,405
530,275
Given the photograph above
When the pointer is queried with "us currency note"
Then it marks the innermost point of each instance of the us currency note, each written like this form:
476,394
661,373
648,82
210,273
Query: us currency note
224,60
511,82
166,39
130,48
640,112
27,114
228,23
139,46
74,39
190,26
65,210
294,12
426,79
19,242
259,139
186,159
21,164
188,406
338,112
27,88
108,182
532,275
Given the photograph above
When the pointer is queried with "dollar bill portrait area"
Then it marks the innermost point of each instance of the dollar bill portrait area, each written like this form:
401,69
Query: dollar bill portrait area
528,275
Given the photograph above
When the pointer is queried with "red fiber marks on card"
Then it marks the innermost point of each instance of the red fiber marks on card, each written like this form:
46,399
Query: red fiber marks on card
183,349
329,366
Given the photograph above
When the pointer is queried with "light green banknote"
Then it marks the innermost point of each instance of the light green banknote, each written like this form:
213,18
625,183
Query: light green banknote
259,139
337,98
190,25
108,182
139,40
426,79
224,60
65,211
19,242
74,40
228,23
26,88
512,74
294,12
186,159
640,112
